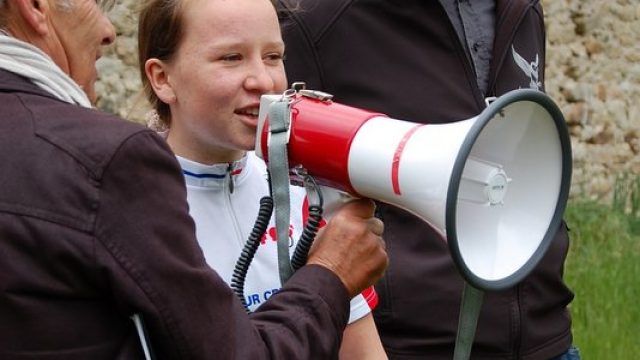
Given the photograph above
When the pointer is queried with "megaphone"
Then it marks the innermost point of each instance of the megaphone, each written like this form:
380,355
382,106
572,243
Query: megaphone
494,186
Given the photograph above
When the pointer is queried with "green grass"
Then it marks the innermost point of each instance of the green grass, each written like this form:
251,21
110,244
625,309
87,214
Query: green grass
603,269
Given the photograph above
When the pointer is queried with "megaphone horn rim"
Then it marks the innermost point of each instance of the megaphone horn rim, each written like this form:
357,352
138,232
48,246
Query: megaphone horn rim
454,183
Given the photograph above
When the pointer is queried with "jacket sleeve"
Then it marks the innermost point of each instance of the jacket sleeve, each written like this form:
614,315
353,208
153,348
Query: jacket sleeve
153,266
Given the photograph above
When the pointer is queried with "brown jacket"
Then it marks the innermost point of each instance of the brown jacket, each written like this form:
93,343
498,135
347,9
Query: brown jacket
404,58
94,228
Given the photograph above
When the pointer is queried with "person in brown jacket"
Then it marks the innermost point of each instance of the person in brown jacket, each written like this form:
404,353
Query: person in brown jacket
95,231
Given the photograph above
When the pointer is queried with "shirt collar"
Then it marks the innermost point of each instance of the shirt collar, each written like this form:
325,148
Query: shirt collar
202,175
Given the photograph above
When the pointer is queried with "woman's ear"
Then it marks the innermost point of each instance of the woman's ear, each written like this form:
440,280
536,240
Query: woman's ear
156,72
35,14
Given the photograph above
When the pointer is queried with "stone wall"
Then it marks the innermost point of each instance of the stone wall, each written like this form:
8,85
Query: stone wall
593,73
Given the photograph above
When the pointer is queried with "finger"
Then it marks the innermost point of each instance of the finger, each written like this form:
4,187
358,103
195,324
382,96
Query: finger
383,243
376,226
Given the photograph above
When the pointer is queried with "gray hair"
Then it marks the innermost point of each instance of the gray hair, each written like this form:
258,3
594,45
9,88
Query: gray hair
68,4
61,4
64,5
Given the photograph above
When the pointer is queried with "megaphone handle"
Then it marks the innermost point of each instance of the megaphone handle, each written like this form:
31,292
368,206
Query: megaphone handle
469,313
278,165
315,201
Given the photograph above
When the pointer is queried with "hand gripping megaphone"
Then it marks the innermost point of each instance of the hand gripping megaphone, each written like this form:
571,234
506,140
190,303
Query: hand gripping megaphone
494,186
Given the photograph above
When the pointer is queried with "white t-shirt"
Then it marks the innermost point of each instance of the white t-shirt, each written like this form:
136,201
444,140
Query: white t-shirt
225,212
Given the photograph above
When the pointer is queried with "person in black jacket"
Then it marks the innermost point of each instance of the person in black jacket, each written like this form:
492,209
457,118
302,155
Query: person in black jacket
436,62
95,230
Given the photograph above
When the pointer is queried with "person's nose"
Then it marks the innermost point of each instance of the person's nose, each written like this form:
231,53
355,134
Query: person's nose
260,79
109,31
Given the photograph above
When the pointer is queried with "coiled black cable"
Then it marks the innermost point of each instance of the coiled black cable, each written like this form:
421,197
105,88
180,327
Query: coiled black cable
307,237
250,248
316,204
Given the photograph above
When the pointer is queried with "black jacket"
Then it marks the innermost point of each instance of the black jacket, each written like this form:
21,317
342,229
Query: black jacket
94,227
404,59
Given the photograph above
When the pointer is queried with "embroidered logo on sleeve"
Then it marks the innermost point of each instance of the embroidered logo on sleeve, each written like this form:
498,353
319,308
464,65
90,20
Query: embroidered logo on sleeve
530,69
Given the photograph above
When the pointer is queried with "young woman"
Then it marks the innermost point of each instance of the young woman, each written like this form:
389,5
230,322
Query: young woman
205,64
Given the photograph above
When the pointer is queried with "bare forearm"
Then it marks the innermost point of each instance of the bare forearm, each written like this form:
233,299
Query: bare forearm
361,341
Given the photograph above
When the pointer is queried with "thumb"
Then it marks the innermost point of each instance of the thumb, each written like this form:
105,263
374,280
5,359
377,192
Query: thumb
361,208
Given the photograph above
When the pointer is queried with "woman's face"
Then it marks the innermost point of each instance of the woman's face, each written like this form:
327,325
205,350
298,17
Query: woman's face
231,53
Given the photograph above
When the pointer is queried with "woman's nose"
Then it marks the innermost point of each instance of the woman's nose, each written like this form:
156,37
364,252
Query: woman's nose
260,79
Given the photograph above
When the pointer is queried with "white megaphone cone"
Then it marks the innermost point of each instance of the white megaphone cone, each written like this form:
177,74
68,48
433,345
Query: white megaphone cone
494,186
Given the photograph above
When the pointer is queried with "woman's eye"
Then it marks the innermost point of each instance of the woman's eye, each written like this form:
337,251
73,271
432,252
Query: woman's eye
231,57
274,57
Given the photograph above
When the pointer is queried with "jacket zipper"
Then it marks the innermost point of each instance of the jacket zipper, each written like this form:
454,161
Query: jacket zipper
228,188
231,184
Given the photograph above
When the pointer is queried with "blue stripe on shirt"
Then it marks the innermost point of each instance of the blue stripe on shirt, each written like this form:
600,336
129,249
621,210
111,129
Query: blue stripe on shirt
204,176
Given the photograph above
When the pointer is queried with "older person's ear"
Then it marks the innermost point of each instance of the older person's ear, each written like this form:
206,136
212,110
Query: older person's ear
35,14
156,73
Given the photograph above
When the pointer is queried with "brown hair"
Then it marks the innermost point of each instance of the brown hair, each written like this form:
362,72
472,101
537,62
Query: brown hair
160,31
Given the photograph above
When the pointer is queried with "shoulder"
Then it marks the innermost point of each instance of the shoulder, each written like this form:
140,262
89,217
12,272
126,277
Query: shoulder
90,136
314,17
